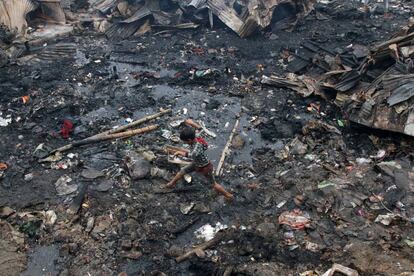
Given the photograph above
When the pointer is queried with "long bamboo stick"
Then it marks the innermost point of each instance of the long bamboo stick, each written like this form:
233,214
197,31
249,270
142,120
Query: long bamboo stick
93,138
226,148
137,122
100,138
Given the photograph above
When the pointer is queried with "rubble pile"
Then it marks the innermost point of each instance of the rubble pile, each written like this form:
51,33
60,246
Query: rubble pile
306,106
375,92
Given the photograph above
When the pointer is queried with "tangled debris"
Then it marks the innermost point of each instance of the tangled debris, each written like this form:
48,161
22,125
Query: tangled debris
377,92
315,194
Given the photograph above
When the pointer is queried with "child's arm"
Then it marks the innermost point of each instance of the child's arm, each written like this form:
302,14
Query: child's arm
182,153
176,151
190,122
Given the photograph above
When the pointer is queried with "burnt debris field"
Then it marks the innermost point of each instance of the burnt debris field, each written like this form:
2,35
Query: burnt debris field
307,108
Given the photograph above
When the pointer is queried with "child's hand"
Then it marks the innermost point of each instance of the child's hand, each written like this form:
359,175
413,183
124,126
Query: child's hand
179,153
193,124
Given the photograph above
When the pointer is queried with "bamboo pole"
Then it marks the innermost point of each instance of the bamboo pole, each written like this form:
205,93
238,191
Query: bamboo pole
101,138
137,122
226,148
103,135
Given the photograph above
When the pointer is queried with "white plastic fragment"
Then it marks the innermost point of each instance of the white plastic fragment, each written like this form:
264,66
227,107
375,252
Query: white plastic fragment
386,219
28,177
362,161
176,123
207,232
50,217
71,155
280,205
342,269
188,178
5,121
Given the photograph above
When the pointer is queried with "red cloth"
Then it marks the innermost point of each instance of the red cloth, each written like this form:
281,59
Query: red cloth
205,170
201,141
66,129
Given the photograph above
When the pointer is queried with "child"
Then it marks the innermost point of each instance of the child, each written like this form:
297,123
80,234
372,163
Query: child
200,163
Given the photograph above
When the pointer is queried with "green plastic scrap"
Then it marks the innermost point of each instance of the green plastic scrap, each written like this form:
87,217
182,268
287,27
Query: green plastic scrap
325,183
409,242
341,123
31,227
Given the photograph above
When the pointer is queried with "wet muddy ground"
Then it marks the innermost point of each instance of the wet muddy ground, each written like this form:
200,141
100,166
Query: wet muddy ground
133,226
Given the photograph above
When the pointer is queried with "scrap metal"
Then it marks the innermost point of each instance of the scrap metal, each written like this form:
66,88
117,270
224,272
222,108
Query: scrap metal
378,92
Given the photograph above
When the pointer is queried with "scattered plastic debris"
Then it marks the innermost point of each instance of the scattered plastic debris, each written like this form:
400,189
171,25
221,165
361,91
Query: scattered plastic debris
296,219
63,187
386,219
5,121
207,231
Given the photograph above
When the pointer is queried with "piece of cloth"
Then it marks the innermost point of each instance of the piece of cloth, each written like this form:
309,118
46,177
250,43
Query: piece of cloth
201,141
199,153
66,129
206,171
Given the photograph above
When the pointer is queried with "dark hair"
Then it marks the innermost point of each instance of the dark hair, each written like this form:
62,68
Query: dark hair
187,133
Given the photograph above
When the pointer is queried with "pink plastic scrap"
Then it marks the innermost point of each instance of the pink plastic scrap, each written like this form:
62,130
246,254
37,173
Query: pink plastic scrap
296,219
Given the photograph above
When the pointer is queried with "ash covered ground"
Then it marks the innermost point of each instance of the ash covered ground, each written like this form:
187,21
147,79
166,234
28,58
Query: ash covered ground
311,188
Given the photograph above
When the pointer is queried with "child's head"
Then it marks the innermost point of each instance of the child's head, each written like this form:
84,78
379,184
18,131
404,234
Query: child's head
187,135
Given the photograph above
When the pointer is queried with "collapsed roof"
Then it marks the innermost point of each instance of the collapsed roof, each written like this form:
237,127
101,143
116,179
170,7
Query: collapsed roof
14,13
377,92
242,16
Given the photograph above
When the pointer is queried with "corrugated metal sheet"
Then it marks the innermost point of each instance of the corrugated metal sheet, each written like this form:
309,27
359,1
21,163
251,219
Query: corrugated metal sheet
122,30
103,6
53,53
129,26
139,14
402,94
198,4
13,13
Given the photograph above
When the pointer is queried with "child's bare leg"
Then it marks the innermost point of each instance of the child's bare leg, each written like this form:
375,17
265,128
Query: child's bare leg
174,181
220,189
186,170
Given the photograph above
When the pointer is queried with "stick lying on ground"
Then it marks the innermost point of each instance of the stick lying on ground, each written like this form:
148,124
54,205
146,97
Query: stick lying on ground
100,138
115,133
199,249
135,123
226,148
